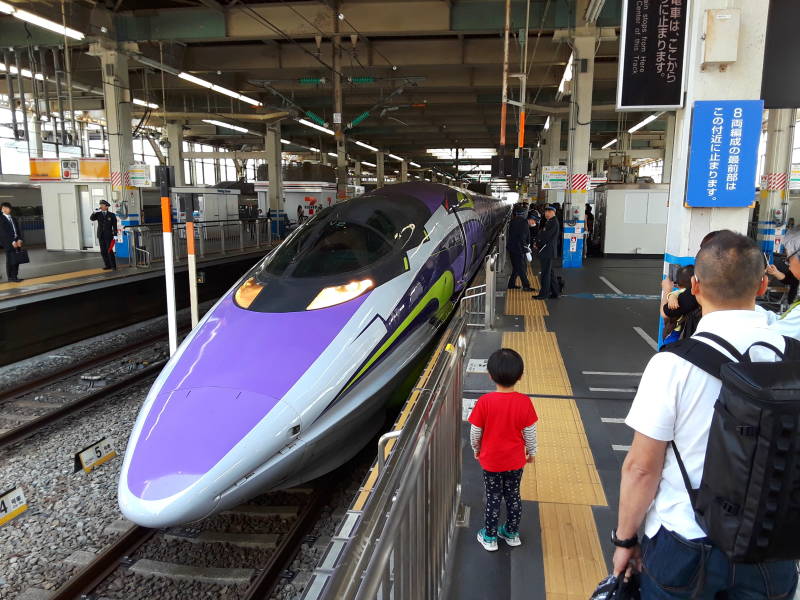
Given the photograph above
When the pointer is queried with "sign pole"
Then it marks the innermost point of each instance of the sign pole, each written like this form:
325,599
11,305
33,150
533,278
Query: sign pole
192,263
169,267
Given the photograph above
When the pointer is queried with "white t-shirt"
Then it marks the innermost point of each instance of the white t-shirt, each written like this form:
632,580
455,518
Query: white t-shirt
675,401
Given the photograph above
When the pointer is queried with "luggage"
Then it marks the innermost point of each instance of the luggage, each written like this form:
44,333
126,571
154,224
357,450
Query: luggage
748,502
19,256
616,588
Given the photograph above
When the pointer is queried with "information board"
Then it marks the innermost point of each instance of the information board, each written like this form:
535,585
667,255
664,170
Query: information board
652,43
554,178
794,178
139,175
723,153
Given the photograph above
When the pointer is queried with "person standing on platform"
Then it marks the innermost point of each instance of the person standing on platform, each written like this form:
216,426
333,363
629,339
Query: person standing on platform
518,246
546,246
106,231
503,439
10,239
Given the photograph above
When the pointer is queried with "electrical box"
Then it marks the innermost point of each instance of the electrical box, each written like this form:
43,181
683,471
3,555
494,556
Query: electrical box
721,36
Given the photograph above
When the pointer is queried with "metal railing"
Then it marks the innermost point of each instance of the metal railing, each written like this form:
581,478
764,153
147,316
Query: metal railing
479,302
399,546
146,246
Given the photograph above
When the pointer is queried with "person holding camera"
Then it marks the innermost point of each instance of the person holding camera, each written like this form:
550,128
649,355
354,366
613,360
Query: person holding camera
106,231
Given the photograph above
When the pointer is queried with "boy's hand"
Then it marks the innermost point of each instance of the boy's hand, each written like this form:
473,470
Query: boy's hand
529,458
477,454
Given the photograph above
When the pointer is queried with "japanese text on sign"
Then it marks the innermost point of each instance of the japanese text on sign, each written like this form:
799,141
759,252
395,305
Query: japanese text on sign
96,454
12,504
667,40
723,153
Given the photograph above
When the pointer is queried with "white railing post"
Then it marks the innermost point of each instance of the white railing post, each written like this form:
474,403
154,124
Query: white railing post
491,286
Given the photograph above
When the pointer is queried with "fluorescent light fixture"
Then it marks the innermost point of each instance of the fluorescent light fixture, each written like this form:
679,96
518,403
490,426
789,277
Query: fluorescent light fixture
315,126
413,164
566,77
369,164
24,15
283,141
195,80
249,100
641,124
394,156
139,102
313,149
593,10
333,154
367,146
463,153
547,124
609,144
226,125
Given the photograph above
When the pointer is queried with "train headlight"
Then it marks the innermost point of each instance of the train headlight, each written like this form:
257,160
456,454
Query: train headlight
331,296
247,292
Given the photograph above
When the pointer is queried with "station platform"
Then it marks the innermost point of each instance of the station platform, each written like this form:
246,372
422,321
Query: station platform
584,354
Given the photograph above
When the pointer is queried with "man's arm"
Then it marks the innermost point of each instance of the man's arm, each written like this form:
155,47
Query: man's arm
93,216
641,475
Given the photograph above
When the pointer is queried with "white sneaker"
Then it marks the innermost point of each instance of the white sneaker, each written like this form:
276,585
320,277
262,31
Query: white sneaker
510,539
489,543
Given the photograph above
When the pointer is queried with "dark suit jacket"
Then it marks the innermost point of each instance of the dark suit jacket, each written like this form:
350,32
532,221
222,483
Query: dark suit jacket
106,223
518,235
7,232
547,238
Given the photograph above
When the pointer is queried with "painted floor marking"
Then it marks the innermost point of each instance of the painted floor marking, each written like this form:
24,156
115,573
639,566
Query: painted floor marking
644,335
614,288
613,420
624,390
615,373
477,365
620,448
467,404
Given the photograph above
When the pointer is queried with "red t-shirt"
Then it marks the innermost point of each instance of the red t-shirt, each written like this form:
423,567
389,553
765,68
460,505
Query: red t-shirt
502,416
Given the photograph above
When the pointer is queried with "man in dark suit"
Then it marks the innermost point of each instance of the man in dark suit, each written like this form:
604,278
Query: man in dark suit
547,246
106,230
10,239
517,245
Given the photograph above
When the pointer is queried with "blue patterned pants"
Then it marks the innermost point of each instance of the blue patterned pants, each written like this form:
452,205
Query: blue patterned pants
504,484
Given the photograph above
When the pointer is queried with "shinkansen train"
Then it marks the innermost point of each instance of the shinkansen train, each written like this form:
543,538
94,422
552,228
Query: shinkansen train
288,375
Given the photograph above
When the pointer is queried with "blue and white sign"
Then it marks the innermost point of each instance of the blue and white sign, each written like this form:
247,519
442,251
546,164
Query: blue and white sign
723,155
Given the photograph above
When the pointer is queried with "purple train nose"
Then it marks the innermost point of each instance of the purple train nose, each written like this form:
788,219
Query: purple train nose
187,432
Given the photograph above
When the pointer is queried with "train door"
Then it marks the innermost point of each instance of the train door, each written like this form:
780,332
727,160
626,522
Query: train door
86,209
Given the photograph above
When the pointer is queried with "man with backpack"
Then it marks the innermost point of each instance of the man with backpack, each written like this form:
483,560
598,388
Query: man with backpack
712,475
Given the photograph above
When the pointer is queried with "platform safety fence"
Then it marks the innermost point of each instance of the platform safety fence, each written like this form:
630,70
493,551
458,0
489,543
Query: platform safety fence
212,238
399,544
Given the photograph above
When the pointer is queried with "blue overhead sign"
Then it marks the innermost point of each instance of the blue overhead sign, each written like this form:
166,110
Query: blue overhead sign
723,154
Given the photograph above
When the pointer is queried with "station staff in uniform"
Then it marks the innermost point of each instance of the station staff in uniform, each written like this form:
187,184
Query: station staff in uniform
518,241
106,230
10,239
546,245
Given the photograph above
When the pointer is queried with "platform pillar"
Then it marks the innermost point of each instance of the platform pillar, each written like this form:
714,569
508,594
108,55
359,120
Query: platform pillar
774,199
272,145
358,172
126,200
175,150
379,170
579,147
741,80
404,171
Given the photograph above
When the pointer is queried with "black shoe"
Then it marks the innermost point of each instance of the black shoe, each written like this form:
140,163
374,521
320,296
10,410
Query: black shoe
554,296
106,268
527,289
538,297
513,287
16,280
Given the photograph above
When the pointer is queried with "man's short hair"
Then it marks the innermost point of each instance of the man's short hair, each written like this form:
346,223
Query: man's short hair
729,267
6,205
505,367
791,242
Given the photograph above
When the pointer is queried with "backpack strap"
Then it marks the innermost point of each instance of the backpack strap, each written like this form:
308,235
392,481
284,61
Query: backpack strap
792,350
684,474
701,355
721,342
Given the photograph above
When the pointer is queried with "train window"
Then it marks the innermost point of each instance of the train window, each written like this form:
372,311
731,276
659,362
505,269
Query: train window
342,248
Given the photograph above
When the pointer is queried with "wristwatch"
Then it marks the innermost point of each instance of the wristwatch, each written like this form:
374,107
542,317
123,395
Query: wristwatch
629,543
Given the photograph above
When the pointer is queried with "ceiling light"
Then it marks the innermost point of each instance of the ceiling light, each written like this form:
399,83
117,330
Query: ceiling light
341,16
24,72
566,78
369,164
283,141
609,144
313,149
195,80
547,124
249,100
413,164
139,102
333,154
24,15
394,156
226,125
315,126
367,146
641,124
593,10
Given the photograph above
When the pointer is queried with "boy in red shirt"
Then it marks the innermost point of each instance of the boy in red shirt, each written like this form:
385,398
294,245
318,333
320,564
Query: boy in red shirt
503,437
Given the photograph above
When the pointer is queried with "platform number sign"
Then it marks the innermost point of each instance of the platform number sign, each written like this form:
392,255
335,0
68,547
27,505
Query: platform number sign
12,504
70,169
95,455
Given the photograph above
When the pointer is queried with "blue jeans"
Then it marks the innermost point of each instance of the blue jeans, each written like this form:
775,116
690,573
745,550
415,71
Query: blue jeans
676,568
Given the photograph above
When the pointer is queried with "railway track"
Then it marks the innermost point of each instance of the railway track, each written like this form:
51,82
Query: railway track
28,407
238,554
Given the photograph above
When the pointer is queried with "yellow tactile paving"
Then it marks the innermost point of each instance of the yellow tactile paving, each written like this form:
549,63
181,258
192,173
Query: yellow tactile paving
544,368
50,279
573,561
521,303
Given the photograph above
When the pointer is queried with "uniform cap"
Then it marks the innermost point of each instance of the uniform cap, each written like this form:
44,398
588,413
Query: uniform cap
550,207
104,202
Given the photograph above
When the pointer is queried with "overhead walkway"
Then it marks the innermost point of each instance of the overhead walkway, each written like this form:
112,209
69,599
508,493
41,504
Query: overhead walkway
411,531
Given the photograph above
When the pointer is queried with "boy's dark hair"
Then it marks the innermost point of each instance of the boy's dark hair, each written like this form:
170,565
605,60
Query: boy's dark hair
505,367
684,276
6,204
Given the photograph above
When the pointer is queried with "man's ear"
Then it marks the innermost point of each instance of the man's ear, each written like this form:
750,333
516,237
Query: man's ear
695,286
763,287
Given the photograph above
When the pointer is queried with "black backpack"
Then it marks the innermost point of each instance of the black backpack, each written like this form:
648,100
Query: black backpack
748,502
